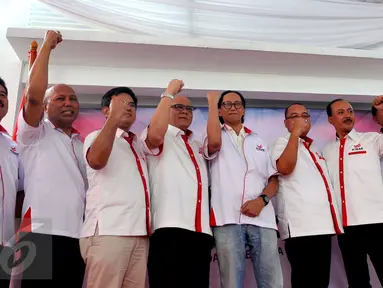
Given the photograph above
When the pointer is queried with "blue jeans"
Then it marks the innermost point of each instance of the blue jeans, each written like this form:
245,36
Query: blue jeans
231,241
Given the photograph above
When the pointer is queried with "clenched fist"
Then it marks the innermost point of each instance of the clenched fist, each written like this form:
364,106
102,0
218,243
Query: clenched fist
378,102
213,97
175,87
52,38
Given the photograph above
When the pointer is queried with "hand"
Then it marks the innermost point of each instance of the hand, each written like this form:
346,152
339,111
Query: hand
175,87
253,208
299,126
52,38
213,97
378,102
117,109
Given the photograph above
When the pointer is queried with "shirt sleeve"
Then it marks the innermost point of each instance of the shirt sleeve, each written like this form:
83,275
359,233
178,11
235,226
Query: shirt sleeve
88,142
379,144
27,134
271,169
277,149
147,151
205,149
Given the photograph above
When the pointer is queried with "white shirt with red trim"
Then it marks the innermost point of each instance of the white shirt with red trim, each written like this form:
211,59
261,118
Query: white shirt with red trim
306,203
11,181
55,179
354,168
236,179
118,196
179,183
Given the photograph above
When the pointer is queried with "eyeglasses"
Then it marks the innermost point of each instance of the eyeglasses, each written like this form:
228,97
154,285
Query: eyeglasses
295,116
182,107
236,104
130,104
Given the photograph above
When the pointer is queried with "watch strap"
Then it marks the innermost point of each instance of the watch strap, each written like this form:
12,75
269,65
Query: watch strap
167,95
265,199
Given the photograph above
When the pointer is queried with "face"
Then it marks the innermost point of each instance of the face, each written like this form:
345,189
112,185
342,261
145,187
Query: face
342,116
181,113
232,109
297,113
3,102
62,106
379,117
129,111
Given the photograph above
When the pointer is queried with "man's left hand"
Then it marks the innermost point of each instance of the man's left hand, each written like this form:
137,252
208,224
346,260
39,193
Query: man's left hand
253,208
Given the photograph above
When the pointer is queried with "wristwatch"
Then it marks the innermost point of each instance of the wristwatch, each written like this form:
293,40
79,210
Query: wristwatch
265,199
167,95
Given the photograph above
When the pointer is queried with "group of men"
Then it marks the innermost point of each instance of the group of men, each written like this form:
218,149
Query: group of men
141,204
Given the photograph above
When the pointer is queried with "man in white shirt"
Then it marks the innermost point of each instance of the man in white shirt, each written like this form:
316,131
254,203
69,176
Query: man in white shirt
353,161
307,209
115,241
180,247
55,178
11,186
242,183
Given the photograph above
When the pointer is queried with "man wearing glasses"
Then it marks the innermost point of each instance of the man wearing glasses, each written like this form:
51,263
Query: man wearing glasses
180,247
242,183
308,213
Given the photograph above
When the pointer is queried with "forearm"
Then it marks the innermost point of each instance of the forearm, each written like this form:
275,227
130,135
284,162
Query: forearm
272,187
287,161
38,76
99,152
159,124
214,135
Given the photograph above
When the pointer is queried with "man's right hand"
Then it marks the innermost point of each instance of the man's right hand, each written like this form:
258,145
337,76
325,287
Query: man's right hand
52,38
299,126
213,97
175,87
117,109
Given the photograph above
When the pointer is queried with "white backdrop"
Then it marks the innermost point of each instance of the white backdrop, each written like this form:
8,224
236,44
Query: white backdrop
324,23
268,123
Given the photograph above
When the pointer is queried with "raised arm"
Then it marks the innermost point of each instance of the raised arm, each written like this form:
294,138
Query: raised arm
38,80
214,134
288,159
98,152
160,120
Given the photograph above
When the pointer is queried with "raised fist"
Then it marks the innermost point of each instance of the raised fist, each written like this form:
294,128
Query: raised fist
299,126
175,87
117,108
52,38
378,102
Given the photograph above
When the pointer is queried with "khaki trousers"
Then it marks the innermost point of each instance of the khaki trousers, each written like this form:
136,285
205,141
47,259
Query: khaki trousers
115,261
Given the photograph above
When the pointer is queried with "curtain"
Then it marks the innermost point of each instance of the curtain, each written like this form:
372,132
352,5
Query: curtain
323,23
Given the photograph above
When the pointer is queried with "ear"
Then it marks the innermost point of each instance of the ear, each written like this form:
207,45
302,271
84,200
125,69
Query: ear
45,106
105,111
330,120
375,119
219,112
285,123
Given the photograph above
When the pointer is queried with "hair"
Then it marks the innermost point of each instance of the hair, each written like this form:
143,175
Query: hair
220,101
2,83
374,111
288,107
107,98
329,106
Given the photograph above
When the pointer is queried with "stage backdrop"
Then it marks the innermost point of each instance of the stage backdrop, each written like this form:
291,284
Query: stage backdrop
268,123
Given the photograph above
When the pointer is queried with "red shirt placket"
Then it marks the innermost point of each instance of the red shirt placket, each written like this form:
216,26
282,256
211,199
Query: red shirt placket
198,220
329,197
141,171
341,180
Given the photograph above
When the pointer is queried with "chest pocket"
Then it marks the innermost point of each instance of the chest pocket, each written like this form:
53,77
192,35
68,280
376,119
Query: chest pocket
257,157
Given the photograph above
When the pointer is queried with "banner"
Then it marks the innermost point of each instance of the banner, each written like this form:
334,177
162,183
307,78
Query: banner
268,124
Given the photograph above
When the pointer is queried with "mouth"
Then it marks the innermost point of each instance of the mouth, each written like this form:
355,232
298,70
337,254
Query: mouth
233,113
67,113
347,121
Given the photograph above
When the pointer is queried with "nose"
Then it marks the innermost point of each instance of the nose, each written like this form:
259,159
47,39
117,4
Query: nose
68,103
232,108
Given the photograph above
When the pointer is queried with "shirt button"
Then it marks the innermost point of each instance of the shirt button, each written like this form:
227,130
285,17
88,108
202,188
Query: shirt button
343,201
341,159
341,187
197,168
199,201
199,183
341,172
341,146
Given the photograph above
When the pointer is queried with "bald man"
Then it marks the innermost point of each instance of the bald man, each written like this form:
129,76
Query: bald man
180,247
55,179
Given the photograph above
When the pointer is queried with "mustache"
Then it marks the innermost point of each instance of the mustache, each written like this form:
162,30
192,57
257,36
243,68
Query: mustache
346,120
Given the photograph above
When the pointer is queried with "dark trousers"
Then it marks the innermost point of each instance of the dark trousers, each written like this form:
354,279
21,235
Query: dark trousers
51,261
310,261
179,258
355,244
6,264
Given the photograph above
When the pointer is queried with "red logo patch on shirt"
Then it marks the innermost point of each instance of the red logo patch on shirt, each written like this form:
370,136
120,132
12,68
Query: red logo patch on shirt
259,147
357,147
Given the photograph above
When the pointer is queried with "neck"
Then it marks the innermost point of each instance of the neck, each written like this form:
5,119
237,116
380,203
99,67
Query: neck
67,130
342,134
236,127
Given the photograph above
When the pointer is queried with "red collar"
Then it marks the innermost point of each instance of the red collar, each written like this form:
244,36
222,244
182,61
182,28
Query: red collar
2,130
